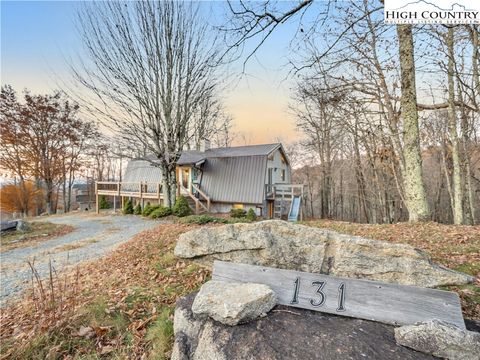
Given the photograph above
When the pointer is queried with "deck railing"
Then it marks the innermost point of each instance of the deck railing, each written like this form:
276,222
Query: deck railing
151,190
273,191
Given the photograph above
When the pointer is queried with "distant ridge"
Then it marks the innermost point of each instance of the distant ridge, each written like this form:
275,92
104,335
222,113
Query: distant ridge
429,3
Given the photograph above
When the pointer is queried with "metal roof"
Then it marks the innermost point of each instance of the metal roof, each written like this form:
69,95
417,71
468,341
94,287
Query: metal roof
238,179
141,171
193,156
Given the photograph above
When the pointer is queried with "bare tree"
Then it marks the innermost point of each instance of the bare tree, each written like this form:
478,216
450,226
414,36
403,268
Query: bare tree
151,65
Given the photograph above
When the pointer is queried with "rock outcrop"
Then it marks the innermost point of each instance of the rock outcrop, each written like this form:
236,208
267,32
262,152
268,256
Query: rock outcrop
286,333
285,245
440,339
233,303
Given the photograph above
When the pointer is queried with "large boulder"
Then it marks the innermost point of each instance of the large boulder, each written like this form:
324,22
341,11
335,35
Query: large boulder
285,245
233,303
285,333
440,339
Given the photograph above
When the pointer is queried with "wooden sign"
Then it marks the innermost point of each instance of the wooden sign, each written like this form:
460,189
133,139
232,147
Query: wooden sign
364,299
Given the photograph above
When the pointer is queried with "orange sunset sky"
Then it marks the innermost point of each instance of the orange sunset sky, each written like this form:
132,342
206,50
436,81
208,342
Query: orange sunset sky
38,38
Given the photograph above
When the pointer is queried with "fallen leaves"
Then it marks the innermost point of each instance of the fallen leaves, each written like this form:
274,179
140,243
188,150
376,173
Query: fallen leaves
86,332
124,291
121,297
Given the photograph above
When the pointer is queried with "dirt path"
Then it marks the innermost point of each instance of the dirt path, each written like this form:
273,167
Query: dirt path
94,236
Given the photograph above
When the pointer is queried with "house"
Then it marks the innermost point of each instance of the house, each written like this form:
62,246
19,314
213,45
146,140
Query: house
82,196
219,179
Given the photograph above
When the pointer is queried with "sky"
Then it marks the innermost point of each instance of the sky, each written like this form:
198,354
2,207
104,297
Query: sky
38,38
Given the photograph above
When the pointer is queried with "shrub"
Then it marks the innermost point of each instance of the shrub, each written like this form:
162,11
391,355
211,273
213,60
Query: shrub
251,216
147,209
202,220
128,207
103,203
137,210
160,212
181,207
237,213
238,220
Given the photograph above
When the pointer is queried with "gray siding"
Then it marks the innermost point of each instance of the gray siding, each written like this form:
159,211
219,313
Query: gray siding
235,180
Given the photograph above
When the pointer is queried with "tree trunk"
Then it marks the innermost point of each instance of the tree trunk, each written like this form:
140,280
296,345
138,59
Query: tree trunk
452,127
414,188
49,197
475,67
169,184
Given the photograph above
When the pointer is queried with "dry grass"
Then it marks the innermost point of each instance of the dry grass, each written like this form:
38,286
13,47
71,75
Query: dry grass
72,246
125,301
39,231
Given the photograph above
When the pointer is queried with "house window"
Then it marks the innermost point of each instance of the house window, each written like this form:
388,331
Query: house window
270,176
238,206
284,160
283,175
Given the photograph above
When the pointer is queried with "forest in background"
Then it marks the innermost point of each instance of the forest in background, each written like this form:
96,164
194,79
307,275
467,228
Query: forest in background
348,103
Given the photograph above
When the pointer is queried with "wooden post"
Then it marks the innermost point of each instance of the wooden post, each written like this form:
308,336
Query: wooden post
141,192
123,202
114,204
97,210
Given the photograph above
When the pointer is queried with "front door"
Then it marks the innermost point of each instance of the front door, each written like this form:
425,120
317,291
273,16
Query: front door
186,178
270,209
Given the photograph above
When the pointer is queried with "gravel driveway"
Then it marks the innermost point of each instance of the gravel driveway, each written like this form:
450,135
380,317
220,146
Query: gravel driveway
94,236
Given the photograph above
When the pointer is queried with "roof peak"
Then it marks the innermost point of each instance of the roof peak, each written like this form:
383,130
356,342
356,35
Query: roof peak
194,156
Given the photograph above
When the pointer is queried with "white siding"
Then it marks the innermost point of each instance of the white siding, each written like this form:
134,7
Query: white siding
277,165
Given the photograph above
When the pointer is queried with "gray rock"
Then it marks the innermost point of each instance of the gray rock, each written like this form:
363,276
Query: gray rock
440,339
285,245
232,303
22,226
287,333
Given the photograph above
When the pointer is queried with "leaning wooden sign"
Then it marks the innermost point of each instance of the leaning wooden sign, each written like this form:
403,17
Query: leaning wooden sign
364,299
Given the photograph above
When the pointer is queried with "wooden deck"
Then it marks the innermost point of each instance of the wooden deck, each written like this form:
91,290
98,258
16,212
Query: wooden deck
150,191
281,194
140,190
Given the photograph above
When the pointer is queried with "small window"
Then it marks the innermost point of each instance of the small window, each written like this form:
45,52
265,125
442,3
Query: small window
284,160
283,175
238,206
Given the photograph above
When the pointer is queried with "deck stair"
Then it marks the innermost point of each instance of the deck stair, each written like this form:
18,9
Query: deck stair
198,201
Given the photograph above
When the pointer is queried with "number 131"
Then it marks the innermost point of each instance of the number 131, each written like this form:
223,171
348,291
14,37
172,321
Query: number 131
322,296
